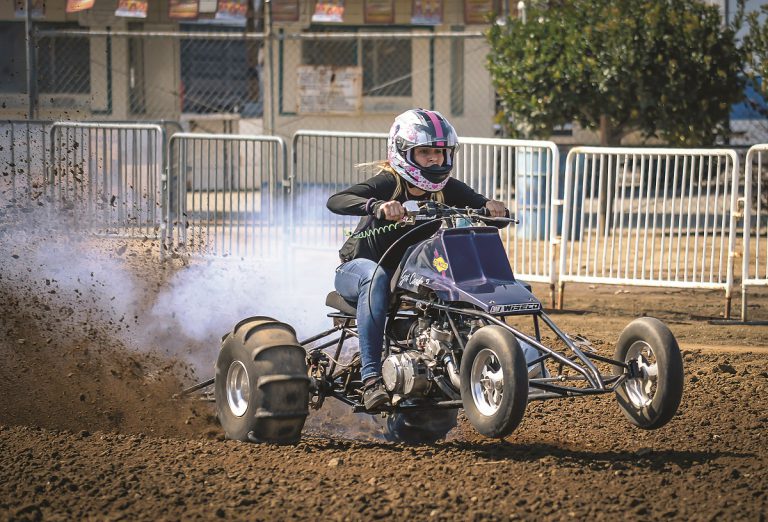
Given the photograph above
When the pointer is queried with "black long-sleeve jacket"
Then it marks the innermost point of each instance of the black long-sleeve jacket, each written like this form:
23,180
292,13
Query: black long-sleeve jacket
373,236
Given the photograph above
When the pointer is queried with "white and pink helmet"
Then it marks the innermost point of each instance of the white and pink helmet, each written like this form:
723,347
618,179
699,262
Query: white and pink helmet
421,128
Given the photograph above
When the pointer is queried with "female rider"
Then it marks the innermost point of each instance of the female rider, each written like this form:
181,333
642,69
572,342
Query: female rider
420,156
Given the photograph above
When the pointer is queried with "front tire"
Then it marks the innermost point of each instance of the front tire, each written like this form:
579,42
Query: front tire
651,399
261,384
494,381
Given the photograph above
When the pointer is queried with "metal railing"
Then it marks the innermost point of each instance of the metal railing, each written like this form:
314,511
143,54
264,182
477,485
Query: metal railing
108,177
625,216
755,254
24,153
226,194
322,164
651,217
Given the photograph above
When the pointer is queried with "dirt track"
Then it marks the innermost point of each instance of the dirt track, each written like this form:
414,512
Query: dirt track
88,429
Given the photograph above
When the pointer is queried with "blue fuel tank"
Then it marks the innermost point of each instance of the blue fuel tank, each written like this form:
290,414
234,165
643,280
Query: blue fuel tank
467,265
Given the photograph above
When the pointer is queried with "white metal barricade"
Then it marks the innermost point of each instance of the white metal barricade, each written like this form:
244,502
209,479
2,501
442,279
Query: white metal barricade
324,163
754,270
650,216
226,194
109,176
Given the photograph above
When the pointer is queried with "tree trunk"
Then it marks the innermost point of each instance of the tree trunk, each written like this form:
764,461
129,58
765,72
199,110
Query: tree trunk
608,138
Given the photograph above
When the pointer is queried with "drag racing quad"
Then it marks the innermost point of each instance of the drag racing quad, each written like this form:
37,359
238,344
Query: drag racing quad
455,337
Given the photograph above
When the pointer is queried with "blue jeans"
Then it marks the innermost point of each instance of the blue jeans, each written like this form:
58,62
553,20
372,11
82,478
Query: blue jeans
354,280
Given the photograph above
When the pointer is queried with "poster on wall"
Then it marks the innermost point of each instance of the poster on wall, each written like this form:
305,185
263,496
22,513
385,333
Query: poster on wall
379,11
75,6
207,6
477,11
232,10
38,9
427,12
329,11
132,8
326,89
285,10
183,9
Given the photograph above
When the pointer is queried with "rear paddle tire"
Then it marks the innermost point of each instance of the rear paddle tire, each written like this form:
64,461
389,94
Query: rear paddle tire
494,381
650,398
261,385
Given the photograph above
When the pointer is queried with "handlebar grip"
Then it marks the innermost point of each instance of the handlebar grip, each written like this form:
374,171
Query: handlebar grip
484,212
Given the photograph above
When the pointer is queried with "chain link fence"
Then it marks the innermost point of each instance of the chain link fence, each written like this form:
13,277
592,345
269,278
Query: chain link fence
100,75
204,78
326,78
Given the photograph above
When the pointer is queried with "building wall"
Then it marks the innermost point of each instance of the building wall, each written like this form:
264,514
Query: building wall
111,73
431,77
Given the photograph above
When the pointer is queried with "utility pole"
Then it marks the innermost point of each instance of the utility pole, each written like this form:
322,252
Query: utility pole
31,91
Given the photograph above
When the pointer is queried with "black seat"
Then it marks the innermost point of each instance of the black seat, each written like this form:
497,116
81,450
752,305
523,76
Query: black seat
334,300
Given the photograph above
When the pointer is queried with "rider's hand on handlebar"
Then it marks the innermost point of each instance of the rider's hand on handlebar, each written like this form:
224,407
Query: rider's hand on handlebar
391,211
496,208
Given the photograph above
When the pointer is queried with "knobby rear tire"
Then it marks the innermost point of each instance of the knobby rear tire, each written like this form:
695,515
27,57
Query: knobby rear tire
261,385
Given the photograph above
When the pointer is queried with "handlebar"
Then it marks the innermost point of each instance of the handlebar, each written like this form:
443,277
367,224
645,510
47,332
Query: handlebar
429,210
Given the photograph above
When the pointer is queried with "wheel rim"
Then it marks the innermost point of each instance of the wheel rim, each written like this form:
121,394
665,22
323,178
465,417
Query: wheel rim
487,381
238,388
641,389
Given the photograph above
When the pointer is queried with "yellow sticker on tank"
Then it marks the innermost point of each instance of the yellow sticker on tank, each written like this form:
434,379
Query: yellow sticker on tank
440,264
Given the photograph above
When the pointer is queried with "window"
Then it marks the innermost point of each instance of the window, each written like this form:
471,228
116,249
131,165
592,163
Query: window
386,67
63,62
386,63
13,59
217,75
329,52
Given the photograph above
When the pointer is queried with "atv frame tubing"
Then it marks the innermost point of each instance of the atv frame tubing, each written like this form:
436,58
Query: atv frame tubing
546,387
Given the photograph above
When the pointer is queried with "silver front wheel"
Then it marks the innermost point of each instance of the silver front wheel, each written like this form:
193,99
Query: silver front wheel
653,385
494,381
487,380
642,389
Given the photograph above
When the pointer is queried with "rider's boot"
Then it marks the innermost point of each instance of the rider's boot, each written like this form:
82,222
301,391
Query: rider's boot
374,394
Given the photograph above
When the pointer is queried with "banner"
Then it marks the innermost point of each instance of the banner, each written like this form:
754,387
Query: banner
477,11
182,9
132,8
427,12
329,11
38,8
232,10
379,12
285,10
74,6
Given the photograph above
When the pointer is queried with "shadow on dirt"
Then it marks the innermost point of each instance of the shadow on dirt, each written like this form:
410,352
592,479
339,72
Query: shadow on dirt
643,458
548,454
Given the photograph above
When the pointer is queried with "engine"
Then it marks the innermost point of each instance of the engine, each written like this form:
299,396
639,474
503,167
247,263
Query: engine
413,372
406,373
